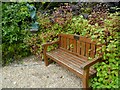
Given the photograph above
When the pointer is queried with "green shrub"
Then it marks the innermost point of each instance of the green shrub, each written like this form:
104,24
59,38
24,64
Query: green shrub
34,41
106,33
14,24
107,71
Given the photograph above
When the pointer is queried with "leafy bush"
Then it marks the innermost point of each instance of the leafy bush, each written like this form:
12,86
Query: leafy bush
14,23
107,72
98,15
62,15
34,41
107,34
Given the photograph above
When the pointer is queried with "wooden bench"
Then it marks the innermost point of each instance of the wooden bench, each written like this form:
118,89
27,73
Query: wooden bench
72,53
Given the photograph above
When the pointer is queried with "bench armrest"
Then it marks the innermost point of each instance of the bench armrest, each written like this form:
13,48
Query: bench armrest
90,63
50,43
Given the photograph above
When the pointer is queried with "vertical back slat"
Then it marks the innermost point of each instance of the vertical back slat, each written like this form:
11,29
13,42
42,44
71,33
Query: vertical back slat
82,48
68,43
75,46
92,52
71,44
59,40
62,42
78,47
65,42
87,49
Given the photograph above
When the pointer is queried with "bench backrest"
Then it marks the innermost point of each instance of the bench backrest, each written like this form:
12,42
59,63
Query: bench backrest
78,45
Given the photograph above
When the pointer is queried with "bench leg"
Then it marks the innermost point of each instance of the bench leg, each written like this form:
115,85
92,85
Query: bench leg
85,79
46,60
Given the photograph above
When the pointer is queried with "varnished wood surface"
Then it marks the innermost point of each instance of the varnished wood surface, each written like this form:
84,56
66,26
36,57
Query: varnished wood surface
73,53
80,46
68,59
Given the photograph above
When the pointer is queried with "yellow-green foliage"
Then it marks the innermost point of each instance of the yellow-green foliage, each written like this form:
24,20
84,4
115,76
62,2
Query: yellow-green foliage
107,34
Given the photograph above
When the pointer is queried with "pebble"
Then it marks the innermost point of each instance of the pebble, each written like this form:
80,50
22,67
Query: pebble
14,82
34,74
47,76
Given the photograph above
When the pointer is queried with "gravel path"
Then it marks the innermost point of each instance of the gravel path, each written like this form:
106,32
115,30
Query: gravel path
34,74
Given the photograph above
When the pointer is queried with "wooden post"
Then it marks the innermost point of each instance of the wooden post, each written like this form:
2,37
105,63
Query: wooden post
85,79
45,57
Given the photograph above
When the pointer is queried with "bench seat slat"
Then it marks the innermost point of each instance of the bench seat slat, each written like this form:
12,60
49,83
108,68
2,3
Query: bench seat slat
67,59
75,58
72,60
83,58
